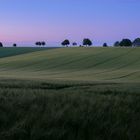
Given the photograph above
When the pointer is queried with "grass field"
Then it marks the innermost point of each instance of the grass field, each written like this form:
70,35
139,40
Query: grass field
83,64
9,51
70,94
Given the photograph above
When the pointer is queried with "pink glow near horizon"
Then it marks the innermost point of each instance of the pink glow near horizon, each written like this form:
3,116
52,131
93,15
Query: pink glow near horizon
53,21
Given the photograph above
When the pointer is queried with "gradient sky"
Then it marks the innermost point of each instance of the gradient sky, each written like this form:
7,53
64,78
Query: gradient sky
27,21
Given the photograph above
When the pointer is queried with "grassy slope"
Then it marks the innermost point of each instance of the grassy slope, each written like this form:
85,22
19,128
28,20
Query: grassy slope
89,64
33,110
7,52
71,110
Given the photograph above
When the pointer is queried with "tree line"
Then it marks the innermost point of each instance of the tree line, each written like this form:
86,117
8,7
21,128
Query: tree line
14,45
127,42
122,43
88,42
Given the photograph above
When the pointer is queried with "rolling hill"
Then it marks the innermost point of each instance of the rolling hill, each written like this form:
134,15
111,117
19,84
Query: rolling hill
70,94
10,51
82,64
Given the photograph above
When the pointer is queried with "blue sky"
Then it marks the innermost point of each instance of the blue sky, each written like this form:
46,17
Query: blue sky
26,21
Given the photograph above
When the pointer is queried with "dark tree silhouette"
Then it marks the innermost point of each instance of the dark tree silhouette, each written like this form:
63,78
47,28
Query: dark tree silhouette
43,43
126,43
1,45
14,45
105,45
87,42
65,43
38,43
74,44
136,42
117,44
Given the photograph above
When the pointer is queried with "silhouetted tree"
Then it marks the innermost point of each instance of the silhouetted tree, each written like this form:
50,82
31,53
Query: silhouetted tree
126,43
38,43
14,45
87,42
105,45
1,45
65,43
117,44
74,44
136,42
43,43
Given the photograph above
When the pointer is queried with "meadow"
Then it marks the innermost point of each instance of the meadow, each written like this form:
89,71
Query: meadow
70,94
76,64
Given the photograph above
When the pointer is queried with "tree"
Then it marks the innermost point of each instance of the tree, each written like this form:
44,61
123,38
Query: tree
14,45
65,43
136,42
87,42
43,43
105,45
1,45
74,44
117,44
126,42
38,43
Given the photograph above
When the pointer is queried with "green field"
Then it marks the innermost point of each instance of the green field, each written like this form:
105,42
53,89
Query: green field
9,51
70,94
83,64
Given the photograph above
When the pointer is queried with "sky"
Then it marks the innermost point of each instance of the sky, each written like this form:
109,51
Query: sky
28,21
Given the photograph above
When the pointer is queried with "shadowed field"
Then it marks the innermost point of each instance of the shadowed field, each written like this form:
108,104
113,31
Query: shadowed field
71,94
35,110
7,52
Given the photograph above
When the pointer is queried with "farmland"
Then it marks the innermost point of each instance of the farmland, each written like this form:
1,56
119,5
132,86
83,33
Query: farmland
70,94
83,64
